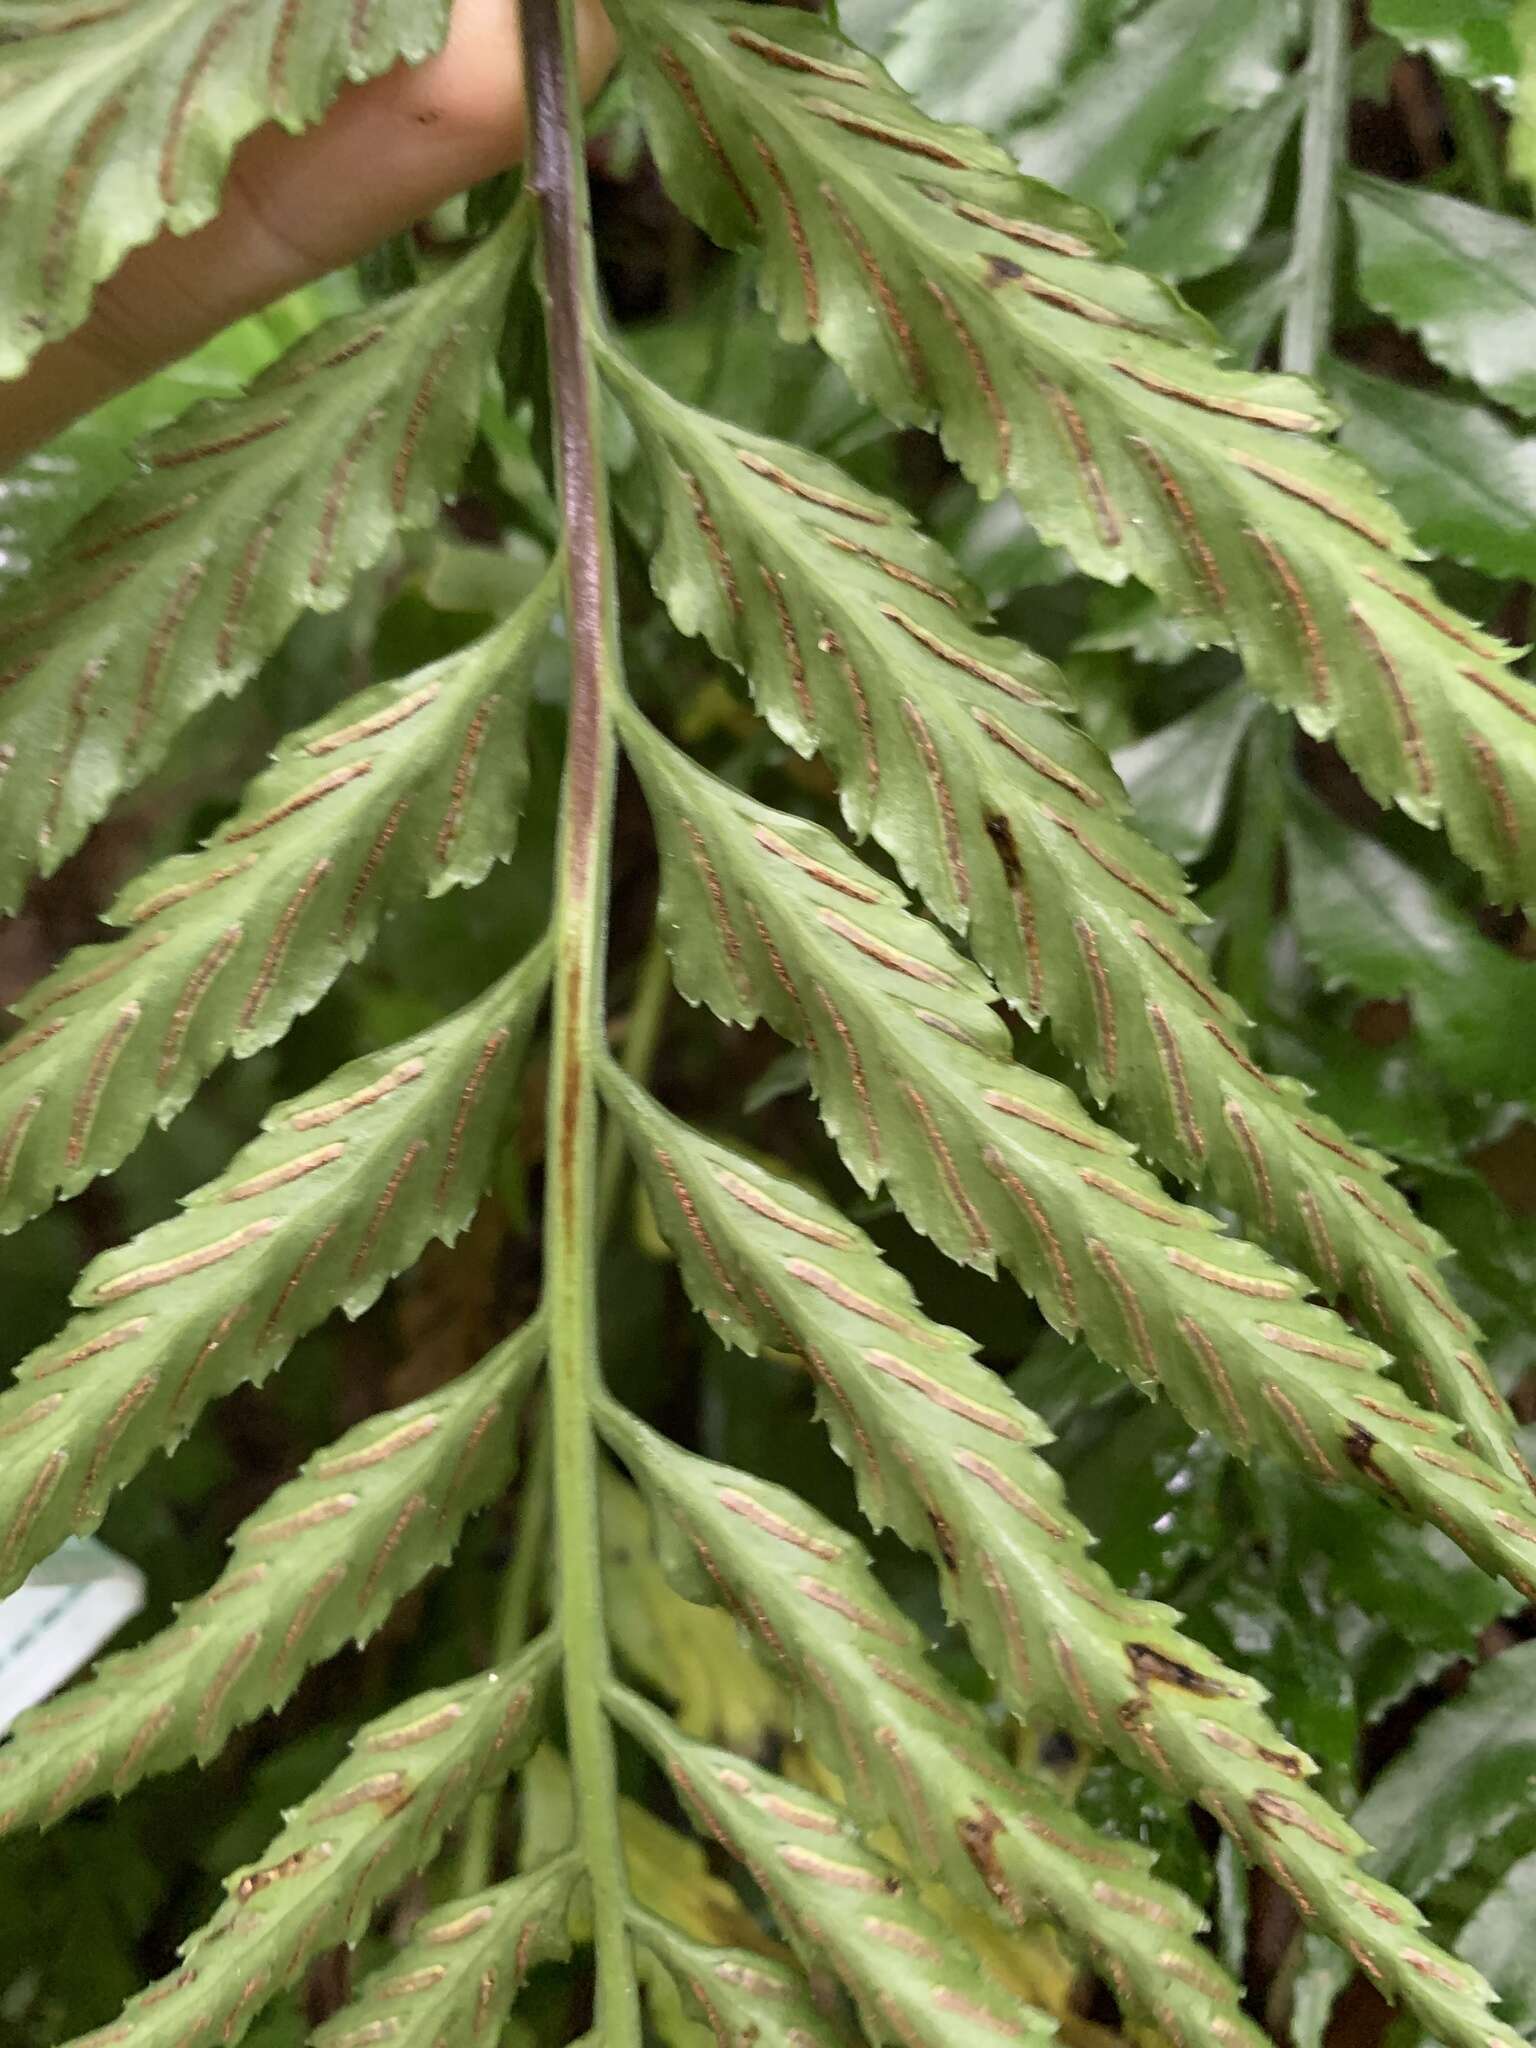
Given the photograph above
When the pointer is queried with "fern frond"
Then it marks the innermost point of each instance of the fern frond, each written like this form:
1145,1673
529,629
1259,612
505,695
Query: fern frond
321,1563
740,1996
952,751
953,290
118,120
769,916
690,1656
240,516
840,1904
343,1189
410,789
377,1819
458,1977
944,1453
911,1753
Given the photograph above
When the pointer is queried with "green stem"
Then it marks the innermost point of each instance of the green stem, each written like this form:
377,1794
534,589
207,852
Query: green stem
1308,327
478,1857
1477,149
558,182
1250,883
647,1014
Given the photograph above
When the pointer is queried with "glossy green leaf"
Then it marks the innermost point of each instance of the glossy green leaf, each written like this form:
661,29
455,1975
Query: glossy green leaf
409,789
1172,71
1471,39
1180,777
1459,276
346,1186
120,119
1497,1941
1463,1778
1210,207
239,516
1462,479
966,62
1373,924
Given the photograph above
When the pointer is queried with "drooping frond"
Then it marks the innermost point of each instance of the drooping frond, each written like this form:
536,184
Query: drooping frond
241,515
910,1752
344,1188
843,1907
769,916
380,1816
457,1979
320,1564
951,749
741,1997
944,1454
412,788
119,118
953,290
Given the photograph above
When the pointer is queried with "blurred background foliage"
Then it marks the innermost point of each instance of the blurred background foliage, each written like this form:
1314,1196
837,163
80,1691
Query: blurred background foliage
1364,951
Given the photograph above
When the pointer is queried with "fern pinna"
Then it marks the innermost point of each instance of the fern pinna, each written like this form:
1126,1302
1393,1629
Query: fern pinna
1198,1224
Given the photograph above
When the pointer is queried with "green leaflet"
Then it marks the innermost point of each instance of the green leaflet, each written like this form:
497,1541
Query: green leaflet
458,1976
1497,1941
1173,71
692,1658
944,1454
344,1188
743,1997
968,62
120,118
379,1817
1457,472
1463,1780
1372,923
1471,39
321,1563
1462,278
951,289
911,1753
1211,207
950,750
768,916
409,789
841,1905
242,514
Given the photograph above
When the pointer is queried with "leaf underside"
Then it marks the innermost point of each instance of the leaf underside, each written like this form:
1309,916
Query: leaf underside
119,119
955,292
179,587
410,789
952,750
899,1848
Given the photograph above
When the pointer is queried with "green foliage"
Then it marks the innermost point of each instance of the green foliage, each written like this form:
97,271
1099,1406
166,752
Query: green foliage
416,787
370,1824
136,624
988,1679
1098,400
121,119
1461,278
